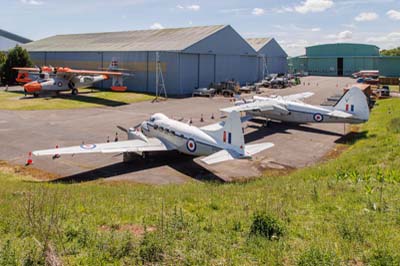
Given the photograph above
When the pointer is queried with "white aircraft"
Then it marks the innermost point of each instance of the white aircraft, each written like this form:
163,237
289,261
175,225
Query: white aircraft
351,108
220,142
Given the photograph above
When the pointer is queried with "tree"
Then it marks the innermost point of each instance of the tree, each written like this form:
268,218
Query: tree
391,52
17,57
3,58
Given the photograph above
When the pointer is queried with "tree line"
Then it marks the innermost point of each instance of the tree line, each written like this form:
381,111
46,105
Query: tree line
15,57
391,52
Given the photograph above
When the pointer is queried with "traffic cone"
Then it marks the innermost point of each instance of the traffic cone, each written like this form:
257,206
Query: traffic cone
56,156
29,161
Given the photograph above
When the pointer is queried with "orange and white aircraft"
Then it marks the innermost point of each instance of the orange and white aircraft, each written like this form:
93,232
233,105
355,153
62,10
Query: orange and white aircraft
56,79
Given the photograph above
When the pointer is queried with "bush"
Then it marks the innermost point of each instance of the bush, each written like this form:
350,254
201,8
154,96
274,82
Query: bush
151,249
316,257
383,258
265,225
17,57
7,255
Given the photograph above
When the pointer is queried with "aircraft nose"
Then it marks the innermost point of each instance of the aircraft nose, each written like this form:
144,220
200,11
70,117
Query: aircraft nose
144,125
33,87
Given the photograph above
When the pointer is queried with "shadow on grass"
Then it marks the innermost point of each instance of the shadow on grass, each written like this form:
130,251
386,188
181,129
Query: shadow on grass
276,127
180,162
352,137
81,97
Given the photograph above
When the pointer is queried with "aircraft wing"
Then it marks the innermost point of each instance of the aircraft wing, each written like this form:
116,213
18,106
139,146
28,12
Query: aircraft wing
27,69
298,96
135,145
340,114
257,107
90,72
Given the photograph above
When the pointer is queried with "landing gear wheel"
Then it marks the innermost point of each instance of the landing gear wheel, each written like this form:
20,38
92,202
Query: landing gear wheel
267,123
57,93
35,94
74,91
145,155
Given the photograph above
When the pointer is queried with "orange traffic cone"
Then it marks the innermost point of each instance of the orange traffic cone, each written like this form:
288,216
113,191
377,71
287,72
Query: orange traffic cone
29,161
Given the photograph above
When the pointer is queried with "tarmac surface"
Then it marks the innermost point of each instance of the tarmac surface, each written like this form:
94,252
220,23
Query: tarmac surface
296,146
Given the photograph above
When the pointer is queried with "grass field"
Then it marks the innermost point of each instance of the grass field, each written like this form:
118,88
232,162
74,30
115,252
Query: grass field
345,211
86,98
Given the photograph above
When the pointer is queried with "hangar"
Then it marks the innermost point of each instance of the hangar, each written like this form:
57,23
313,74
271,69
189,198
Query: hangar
270,54
190,57
9,40
343,59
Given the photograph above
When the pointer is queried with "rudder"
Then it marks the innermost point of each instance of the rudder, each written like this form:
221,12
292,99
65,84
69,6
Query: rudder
354,102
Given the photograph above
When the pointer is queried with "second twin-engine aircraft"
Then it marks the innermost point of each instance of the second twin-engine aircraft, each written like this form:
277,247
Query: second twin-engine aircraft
220,142
351,108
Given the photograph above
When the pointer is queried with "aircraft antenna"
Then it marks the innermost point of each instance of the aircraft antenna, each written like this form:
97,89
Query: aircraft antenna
160,85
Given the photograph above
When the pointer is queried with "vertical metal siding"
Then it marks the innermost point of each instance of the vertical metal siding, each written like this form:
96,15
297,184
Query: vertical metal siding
189,72
206,70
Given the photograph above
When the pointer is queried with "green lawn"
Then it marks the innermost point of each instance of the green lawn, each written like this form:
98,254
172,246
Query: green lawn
86,98
345,211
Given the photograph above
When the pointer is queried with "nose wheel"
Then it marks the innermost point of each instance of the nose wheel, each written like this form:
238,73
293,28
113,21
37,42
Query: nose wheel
74,91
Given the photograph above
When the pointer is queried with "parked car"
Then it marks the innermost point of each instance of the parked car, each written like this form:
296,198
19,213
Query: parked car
209,92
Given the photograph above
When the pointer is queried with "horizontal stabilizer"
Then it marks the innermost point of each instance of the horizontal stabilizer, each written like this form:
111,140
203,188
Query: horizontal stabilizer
340,114
227,155
252,149
221,156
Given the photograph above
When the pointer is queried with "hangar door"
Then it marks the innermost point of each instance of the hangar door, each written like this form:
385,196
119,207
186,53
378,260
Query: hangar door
206,70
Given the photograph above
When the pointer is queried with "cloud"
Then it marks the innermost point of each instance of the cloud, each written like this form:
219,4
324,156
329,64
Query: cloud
366,16
189,7
156,26
393,14
313,6
341,36
193,7
32,2
315,29
388,39
234,10
258,11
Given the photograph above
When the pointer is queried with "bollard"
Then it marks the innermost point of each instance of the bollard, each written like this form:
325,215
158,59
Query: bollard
201,118
108,139
116,137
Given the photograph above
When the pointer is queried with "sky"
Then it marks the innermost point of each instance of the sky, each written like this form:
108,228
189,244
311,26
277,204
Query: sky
295,24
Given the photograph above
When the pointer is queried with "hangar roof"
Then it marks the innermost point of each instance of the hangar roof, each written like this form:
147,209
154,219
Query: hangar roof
13,37
175,39
258,43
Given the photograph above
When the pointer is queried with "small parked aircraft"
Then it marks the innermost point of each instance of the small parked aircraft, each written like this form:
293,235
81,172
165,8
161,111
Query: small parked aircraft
56,79
351,108
220,142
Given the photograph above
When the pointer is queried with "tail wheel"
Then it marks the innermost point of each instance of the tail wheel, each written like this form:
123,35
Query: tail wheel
74,91
35,94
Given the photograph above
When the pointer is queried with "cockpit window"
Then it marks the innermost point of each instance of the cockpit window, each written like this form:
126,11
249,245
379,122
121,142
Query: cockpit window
152,119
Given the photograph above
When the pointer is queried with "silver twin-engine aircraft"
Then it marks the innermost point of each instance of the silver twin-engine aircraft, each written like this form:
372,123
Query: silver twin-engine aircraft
351,108
220,142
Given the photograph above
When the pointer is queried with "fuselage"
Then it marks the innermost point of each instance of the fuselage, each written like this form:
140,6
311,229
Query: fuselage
301,113
183,137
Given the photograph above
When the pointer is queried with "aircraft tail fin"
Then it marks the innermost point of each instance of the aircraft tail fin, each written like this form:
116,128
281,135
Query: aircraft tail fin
228,132
355,103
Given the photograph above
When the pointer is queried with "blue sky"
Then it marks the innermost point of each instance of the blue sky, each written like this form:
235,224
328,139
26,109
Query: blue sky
294,24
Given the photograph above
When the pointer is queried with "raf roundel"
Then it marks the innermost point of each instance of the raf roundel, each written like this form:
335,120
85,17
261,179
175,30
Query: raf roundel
191,145
59,84
318,117
88,146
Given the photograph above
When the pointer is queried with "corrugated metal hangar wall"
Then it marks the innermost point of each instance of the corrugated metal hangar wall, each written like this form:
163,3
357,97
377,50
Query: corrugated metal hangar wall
344,59
220,55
